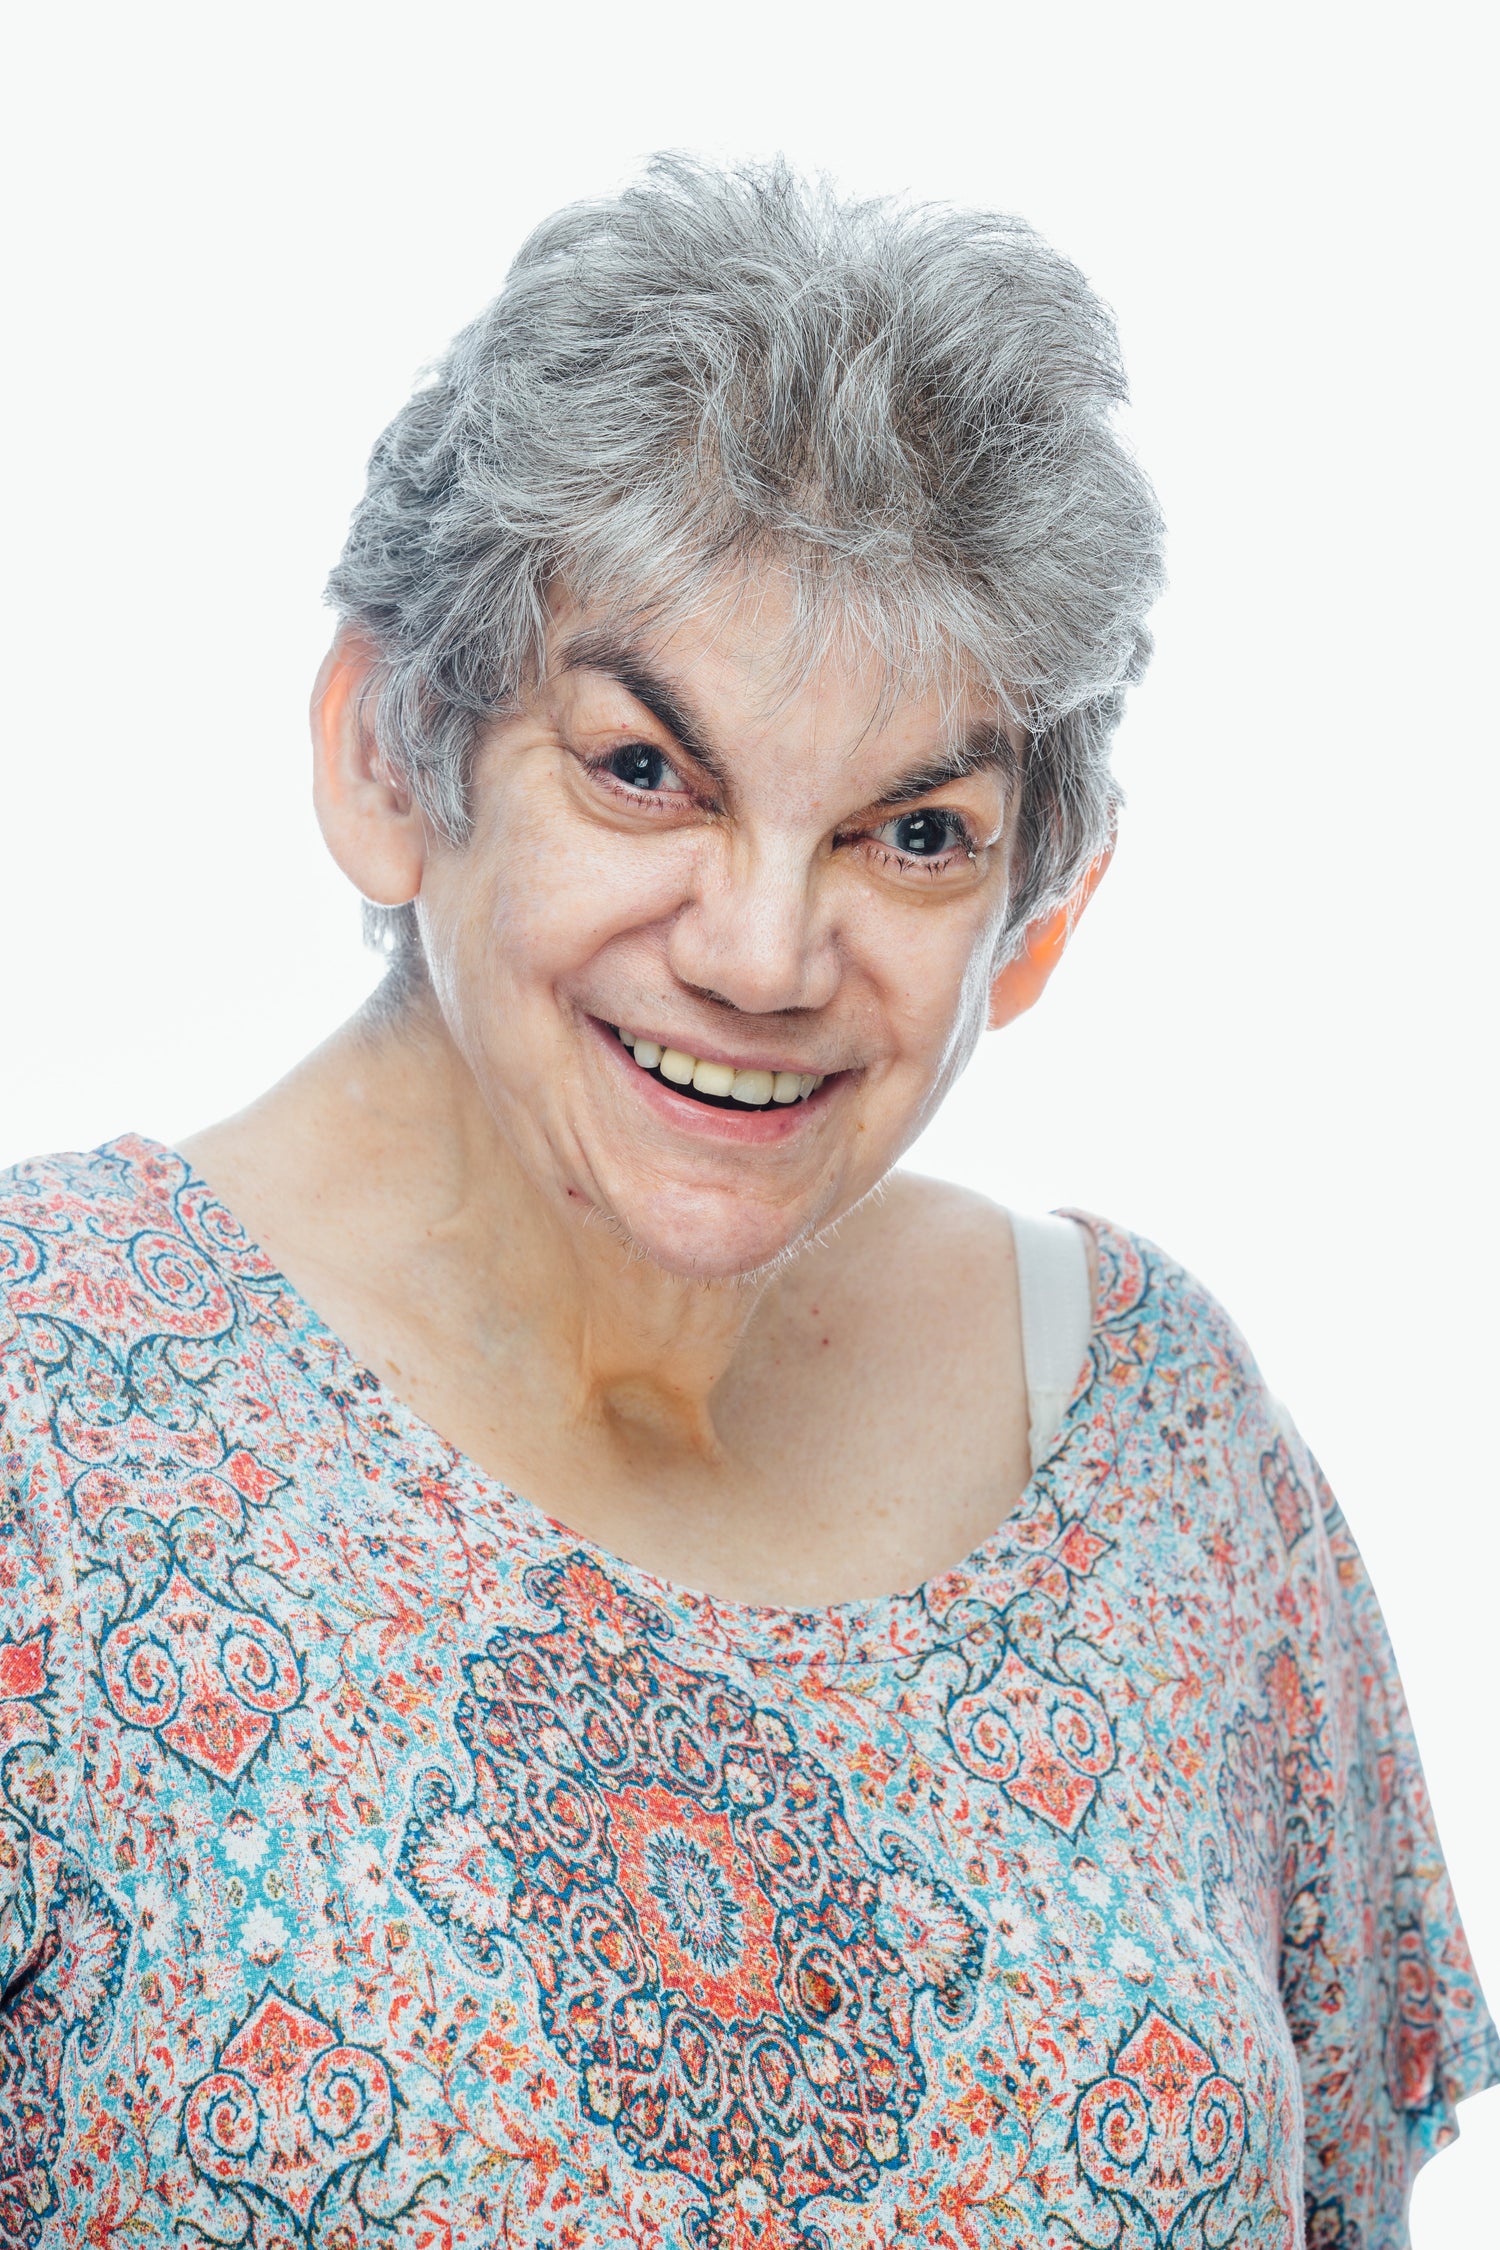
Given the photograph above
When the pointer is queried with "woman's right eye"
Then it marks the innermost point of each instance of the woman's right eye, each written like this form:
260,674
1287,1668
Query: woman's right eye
640,766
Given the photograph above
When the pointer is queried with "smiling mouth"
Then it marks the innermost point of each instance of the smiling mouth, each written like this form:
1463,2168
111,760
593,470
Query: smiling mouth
718,1085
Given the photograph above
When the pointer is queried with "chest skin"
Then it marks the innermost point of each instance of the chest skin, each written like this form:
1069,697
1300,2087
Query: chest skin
870,1430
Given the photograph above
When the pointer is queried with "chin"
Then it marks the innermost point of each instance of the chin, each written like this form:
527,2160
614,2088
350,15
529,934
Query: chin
708,1240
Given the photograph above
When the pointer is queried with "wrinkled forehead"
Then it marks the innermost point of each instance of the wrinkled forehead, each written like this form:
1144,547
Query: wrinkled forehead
761,641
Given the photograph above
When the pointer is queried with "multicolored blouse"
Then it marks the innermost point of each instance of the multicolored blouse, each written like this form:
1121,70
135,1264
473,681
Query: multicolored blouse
381,1864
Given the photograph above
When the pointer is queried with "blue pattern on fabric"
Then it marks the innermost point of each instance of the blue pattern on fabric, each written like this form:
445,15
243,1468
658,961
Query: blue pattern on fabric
382,1865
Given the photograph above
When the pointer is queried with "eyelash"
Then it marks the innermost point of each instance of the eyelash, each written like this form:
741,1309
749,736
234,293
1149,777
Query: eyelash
598,770
962,849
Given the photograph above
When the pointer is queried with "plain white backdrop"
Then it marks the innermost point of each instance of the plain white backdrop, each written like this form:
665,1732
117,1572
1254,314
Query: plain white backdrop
242,230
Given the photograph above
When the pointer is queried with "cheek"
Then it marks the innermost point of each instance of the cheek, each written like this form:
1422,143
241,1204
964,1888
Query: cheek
935,983
533,899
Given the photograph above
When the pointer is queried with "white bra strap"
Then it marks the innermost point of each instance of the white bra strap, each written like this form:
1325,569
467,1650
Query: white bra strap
1057,1317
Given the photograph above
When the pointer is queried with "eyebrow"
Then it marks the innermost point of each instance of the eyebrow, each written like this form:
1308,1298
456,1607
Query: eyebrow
985,748
598,652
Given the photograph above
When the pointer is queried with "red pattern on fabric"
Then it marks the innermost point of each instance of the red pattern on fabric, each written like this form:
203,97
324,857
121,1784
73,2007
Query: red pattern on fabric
382,1868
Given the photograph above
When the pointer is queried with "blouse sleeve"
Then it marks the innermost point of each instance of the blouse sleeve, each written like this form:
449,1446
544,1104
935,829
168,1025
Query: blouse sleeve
40,1673
1377,1982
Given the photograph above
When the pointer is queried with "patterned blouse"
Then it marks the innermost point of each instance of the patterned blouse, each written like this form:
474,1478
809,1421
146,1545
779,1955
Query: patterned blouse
384,1867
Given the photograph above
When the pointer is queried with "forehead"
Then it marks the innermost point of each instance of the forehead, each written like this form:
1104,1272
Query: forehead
749,668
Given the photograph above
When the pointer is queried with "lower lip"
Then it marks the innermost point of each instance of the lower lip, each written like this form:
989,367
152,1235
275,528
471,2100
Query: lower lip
738,1127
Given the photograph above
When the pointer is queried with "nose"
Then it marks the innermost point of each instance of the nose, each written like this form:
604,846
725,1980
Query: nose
757,932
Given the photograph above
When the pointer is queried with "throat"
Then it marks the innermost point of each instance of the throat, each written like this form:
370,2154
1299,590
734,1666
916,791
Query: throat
654,1426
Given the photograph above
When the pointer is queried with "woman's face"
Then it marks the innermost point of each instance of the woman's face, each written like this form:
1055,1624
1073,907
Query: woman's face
782,886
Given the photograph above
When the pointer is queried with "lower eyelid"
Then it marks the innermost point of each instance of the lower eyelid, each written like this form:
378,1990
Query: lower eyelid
958,856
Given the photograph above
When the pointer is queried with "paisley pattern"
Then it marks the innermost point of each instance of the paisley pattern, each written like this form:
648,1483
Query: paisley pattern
288,2108
741,2010
64,2010
382,1868
1164,2131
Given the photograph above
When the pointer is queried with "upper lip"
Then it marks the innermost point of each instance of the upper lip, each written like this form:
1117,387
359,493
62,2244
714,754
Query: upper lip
705,1050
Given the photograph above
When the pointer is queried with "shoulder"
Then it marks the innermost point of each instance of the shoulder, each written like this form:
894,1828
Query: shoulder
48,1208
70,1222
1196,1430
83,1195
1177,1404
108,1257
922,1236
66,1223
1144,1292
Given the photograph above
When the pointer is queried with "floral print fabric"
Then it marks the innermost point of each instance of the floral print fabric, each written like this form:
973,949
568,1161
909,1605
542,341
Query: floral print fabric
381,1865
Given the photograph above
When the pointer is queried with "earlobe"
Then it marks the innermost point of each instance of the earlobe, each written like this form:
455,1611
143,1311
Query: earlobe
1022,981
369,820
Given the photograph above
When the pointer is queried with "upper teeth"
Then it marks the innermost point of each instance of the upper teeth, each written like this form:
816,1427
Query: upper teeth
754,1086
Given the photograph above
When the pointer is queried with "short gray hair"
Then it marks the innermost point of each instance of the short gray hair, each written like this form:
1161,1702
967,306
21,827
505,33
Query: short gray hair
905,411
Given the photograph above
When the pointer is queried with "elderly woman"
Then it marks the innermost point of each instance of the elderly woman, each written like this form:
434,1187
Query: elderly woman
583,1662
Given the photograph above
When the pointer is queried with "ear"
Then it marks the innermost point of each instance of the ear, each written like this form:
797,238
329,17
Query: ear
369,820
1023,979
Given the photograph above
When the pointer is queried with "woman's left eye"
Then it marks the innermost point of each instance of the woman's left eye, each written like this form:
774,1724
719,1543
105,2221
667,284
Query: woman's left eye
641,766
924,835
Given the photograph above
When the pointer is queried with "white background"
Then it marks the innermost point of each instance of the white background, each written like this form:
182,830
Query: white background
242,231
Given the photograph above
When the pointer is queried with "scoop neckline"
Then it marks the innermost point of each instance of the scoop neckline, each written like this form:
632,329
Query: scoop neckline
872,1628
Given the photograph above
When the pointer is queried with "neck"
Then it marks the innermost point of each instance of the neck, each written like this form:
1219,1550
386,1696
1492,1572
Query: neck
382,1147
